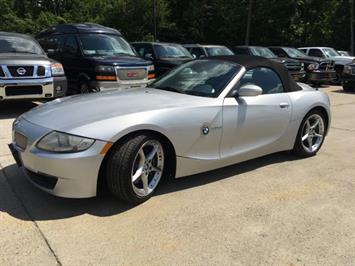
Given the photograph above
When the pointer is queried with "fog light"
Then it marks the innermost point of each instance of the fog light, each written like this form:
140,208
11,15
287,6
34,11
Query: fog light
58,89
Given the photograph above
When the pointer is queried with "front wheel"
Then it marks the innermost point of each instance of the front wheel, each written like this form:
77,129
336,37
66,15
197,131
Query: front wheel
311,134
135,168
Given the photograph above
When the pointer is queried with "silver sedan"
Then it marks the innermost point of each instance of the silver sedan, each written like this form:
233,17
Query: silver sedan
202,115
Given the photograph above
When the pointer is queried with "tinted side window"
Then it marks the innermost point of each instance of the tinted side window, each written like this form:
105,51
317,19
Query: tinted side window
279,52
241,51
52,44
71,46
265,78
197,51
315,52
143,49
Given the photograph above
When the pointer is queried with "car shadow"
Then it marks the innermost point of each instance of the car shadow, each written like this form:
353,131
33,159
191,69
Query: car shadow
12,109
343,92
40,206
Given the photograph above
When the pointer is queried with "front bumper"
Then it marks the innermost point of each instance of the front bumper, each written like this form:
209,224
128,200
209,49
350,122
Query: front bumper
39,88
321,76
118,85
70,175
298,75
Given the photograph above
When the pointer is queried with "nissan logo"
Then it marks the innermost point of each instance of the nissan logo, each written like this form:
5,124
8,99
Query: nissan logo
21,71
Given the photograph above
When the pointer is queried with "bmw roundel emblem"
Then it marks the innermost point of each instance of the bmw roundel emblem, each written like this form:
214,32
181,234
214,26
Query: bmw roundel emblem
205,130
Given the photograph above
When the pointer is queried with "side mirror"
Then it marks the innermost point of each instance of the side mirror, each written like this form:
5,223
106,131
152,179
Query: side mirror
249,90
148,57
194,56
50,51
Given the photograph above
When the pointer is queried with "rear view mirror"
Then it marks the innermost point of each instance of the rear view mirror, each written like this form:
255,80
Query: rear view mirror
250,90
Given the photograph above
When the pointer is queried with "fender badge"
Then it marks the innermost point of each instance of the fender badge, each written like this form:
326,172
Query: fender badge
205,130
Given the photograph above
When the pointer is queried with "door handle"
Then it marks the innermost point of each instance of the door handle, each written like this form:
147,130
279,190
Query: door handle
284,105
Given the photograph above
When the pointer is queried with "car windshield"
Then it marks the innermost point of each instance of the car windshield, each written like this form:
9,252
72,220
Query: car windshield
343,53
330,52
204,77
171,51
293,52
218,50
103,45
18,44
262,51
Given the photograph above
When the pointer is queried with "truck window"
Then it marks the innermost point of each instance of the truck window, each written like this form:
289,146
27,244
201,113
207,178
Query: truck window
70,46
315,52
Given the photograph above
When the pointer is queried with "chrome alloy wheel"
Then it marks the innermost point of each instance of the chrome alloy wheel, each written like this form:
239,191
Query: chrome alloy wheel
313,133
147,168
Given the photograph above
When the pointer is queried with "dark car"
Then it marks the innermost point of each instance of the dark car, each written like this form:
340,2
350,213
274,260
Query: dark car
25,70
95,57
165,56
294,67
200,51
318,70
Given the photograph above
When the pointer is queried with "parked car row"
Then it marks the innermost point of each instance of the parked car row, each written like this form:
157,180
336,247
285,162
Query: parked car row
97,58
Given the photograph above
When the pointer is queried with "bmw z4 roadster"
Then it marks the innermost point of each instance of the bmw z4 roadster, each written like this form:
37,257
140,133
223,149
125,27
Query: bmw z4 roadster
202,115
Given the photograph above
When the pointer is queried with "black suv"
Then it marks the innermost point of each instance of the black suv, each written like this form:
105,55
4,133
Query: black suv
95,57
165,56
294,67
318,70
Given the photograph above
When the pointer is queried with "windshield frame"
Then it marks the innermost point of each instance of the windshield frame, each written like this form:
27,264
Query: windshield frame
105,35
25,38
238,70
182,48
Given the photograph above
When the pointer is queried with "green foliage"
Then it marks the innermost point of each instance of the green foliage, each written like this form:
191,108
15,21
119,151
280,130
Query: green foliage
274,22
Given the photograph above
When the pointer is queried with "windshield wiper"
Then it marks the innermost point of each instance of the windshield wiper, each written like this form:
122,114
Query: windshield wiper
167,88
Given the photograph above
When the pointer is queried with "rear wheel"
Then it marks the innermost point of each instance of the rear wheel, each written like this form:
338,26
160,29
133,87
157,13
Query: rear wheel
135,168
311,134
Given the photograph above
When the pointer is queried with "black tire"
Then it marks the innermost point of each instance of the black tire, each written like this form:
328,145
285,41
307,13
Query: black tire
83,86
298,148
119,167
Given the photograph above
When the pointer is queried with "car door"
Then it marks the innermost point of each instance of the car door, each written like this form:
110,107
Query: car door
256,123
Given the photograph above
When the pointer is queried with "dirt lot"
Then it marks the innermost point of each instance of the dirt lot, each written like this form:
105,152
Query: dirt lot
278,209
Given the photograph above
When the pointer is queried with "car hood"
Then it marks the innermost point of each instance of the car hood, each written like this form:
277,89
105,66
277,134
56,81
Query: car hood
284,60
343,59
71,112
23,58
174,61
120,60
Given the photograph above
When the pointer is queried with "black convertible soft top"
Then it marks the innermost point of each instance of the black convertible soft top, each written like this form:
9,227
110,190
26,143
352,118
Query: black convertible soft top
250,62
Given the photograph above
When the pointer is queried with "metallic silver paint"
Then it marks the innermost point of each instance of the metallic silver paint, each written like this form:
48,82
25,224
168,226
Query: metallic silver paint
240,129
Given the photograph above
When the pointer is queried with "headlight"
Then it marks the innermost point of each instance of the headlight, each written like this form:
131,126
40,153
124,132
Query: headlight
347,70
105,69
62,142
313,66
57,69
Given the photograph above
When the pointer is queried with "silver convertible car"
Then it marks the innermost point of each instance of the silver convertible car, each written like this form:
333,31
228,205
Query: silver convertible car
202,115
